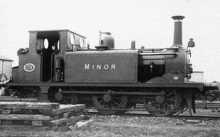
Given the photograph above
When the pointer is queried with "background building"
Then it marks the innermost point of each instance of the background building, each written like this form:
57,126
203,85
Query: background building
5,68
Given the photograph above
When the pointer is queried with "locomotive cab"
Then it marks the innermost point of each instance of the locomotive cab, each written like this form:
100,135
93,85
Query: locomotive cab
43,61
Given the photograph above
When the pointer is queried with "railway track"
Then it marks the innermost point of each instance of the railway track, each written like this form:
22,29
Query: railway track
204,113
141,113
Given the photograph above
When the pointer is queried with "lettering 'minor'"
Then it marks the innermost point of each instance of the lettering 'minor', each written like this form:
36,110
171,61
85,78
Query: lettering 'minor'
100,66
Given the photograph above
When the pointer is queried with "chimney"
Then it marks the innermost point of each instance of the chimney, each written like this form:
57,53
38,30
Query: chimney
177,40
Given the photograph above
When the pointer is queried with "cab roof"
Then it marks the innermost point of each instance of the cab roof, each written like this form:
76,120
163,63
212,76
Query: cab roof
58,30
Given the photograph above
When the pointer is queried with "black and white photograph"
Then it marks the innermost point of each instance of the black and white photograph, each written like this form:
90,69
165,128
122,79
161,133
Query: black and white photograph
110,68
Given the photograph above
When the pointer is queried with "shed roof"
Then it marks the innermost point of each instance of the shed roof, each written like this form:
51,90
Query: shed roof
5,58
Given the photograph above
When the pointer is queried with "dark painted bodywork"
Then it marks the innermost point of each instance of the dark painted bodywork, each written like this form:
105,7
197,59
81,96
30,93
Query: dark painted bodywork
65,66
101,66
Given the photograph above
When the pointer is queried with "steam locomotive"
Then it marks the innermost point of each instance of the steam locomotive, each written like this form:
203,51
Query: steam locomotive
58,68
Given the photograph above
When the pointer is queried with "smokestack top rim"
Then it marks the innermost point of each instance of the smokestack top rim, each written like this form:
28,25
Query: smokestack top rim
178,17
107,33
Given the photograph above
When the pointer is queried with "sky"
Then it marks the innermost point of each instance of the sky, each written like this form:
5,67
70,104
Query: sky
148,22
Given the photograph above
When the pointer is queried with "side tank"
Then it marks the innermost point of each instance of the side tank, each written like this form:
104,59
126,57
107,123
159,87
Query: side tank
101,66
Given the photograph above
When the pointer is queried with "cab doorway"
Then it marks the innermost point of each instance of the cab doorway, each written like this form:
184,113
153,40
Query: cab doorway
49,41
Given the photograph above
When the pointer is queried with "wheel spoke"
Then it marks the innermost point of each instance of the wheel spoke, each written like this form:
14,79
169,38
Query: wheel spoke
169,94
65,101
171,98
112,107
100,102
99,98
67,97
116,103
71,102
166,104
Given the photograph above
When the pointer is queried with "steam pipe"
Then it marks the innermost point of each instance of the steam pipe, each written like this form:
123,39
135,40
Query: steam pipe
158,49
152,54
157,57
